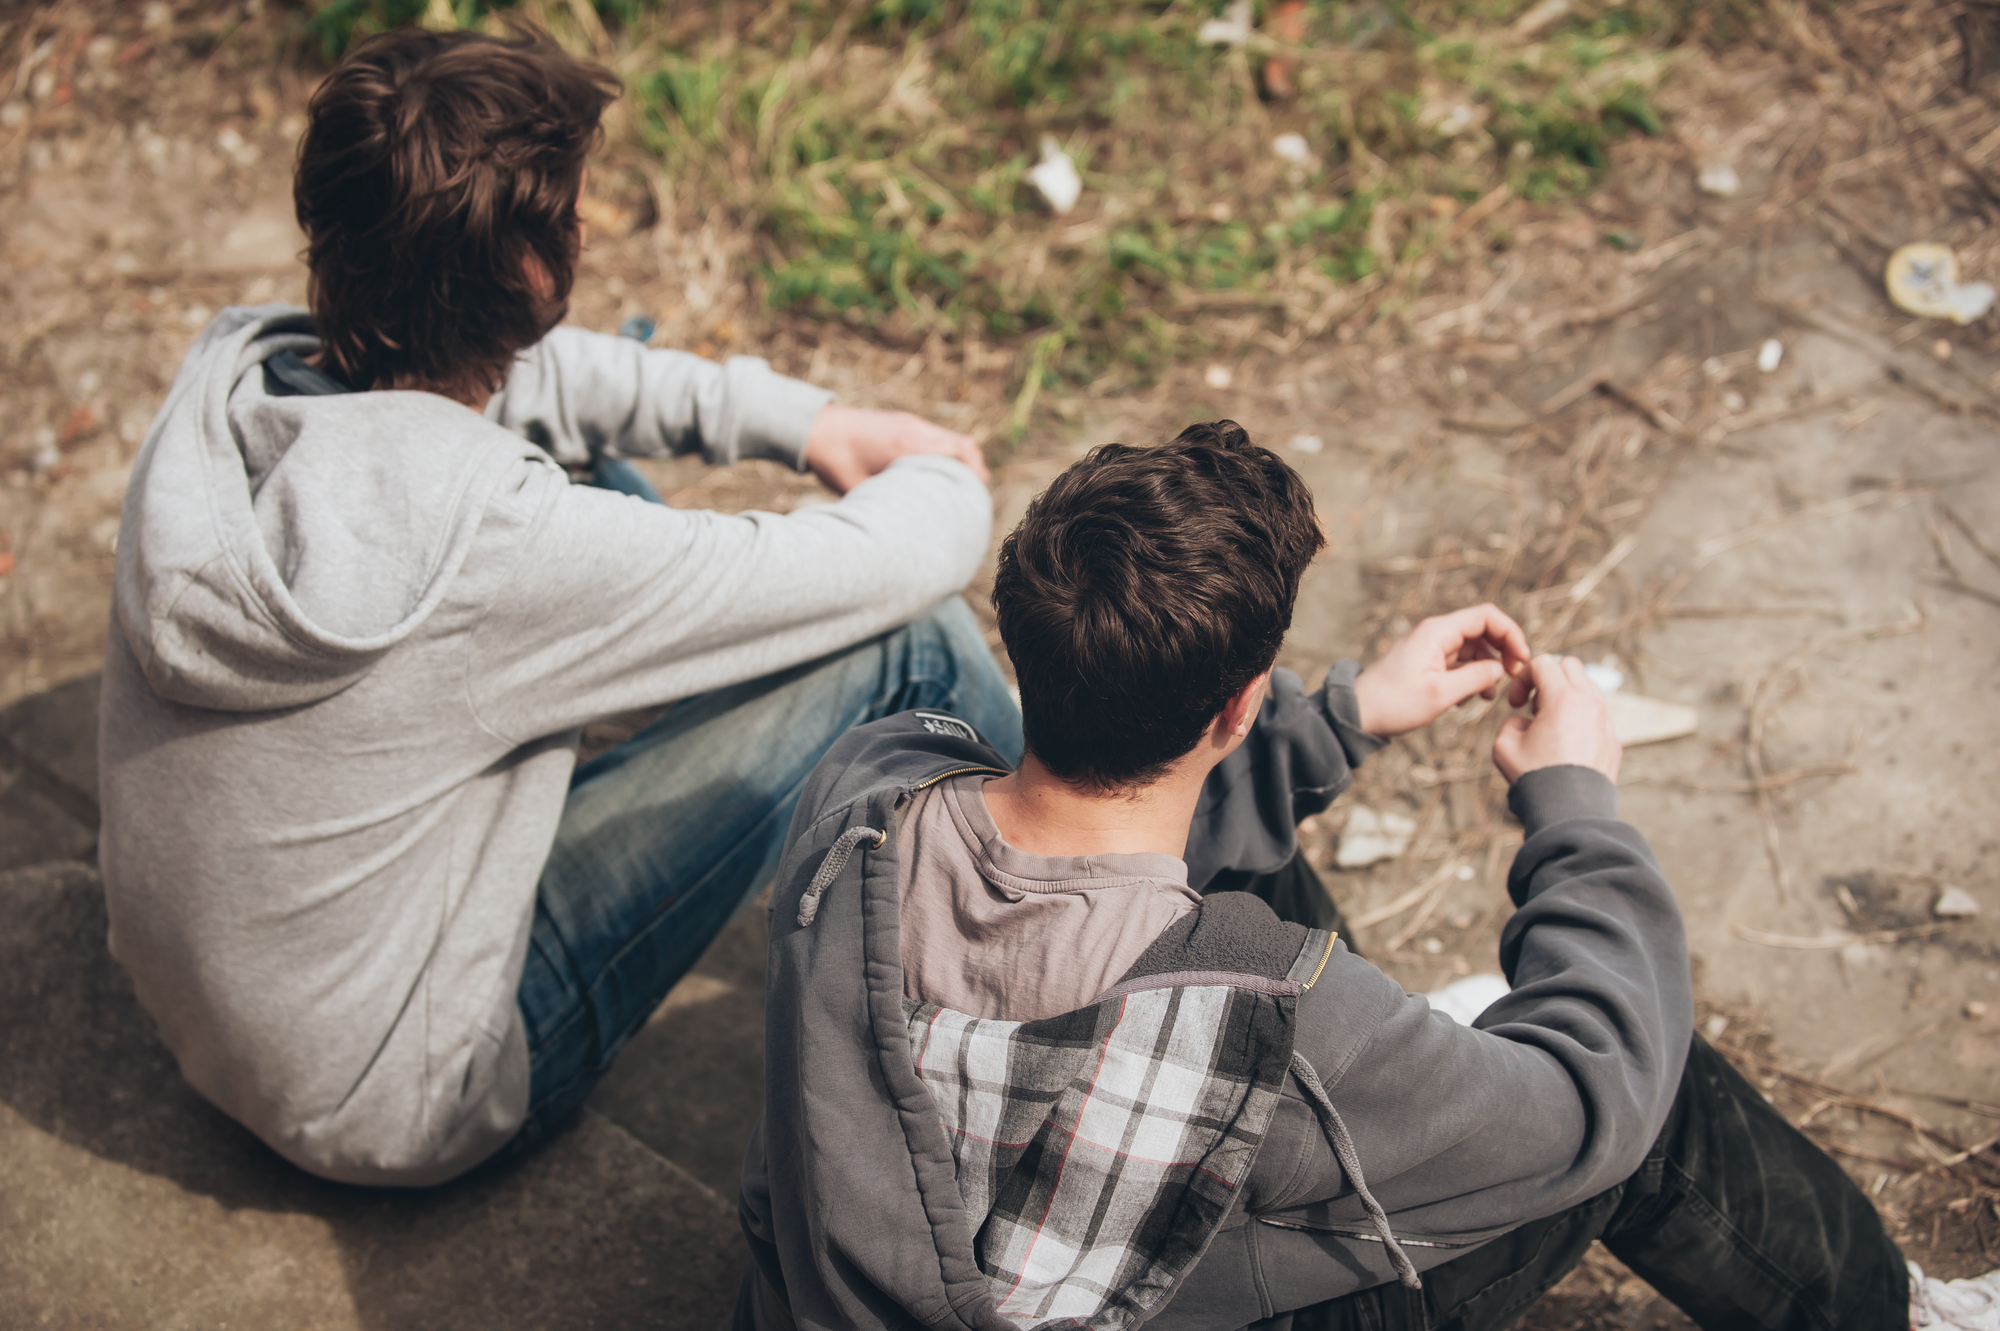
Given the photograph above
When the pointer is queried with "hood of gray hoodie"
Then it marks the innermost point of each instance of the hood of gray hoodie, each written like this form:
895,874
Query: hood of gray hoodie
246,584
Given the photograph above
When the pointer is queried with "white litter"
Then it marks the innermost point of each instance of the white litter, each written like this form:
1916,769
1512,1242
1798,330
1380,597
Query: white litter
1770,354
1971,1304
1293,148
1923,279
1371,837
1055,177
1306,443
1232,29
1217,376
1638,720
1463,1000
1719,179
1955,903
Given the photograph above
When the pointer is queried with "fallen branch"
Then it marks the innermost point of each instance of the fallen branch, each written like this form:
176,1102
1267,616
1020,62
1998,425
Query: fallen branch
1965,529
1829,942
1369,918
1955,580
1751,420
1443,880
1716,545
1762,705
1772,782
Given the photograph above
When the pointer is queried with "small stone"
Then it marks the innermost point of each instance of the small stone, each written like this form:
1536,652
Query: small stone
1955,903
1975,1010
1941,349
1715,1026
1217,376
1371,837
1733,402
1306,443
1770,355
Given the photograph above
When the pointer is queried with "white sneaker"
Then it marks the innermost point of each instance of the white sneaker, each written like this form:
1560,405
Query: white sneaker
1972,1304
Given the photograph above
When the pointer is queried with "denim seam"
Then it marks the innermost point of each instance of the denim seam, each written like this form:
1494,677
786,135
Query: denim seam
1746,1249
602,1063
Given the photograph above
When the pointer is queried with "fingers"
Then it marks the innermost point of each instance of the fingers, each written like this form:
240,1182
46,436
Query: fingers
1524,686
968,452
1507,755
918,435
1550,677
1496,627
1469,681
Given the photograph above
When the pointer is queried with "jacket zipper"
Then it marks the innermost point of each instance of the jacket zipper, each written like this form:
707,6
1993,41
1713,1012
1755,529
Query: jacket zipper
930,781
1364,1235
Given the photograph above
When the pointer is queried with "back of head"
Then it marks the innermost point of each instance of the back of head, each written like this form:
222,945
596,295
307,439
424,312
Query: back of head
1144,588
434,169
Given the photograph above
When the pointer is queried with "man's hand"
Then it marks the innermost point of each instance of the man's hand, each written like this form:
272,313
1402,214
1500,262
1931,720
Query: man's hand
1571,725
1444,661
848,445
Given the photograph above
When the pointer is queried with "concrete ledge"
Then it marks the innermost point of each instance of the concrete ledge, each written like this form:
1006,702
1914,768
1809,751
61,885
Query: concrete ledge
126,1200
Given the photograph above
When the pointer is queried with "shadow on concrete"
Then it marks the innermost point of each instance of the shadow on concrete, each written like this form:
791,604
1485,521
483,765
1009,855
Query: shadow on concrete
161,1189
691,1084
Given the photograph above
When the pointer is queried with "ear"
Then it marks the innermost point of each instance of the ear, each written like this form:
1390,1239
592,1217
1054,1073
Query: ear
1240,712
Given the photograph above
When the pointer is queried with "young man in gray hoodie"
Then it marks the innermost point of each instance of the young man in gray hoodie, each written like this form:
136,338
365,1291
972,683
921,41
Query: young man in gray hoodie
380,915
1022,1072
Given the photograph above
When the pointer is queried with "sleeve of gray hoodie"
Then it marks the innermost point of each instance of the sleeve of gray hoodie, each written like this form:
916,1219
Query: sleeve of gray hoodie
1558,1090
578,394
1299,756
596,602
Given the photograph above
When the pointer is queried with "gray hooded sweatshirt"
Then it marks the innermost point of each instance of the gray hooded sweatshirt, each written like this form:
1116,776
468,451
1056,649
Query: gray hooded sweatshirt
1251,1121
352,642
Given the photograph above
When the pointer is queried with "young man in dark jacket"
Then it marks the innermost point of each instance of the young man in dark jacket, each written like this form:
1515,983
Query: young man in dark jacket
1023,1073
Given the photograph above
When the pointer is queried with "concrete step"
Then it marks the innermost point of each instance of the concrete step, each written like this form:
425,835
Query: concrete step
691,1084
126,1200
48,776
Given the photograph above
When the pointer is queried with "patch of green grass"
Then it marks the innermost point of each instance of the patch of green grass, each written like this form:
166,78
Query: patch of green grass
879,151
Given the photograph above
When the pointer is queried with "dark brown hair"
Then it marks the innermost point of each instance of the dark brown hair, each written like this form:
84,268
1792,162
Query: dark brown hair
1143,589
433,166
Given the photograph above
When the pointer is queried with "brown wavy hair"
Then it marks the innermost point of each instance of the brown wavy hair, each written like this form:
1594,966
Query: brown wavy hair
1142,590
434,167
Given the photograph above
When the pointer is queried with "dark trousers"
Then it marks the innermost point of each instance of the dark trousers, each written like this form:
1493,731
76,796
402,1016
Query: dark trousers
1734,1216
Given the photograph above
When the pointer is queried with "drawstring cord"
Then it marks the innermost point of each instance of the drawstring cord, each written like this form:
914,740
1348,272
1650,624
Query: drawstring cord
1343,1150
836,860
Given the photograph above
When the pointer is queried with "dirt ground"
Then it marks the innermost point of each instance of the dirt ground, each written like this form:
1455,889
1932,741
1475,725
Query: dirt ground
1809,557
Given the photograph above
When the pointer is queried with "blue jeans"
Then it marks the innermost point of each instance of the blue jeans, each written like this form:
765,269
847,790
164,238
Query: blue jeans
665,836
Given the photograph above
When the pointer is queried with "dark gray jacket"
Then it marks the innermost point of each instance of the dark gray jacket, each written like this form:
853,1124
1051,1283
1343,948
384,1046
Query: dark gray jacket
852,1206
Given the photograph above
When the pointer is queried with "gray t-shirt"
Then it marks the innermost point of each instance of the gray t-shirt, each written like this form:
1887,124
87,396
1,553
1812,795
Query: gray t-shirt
993,931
